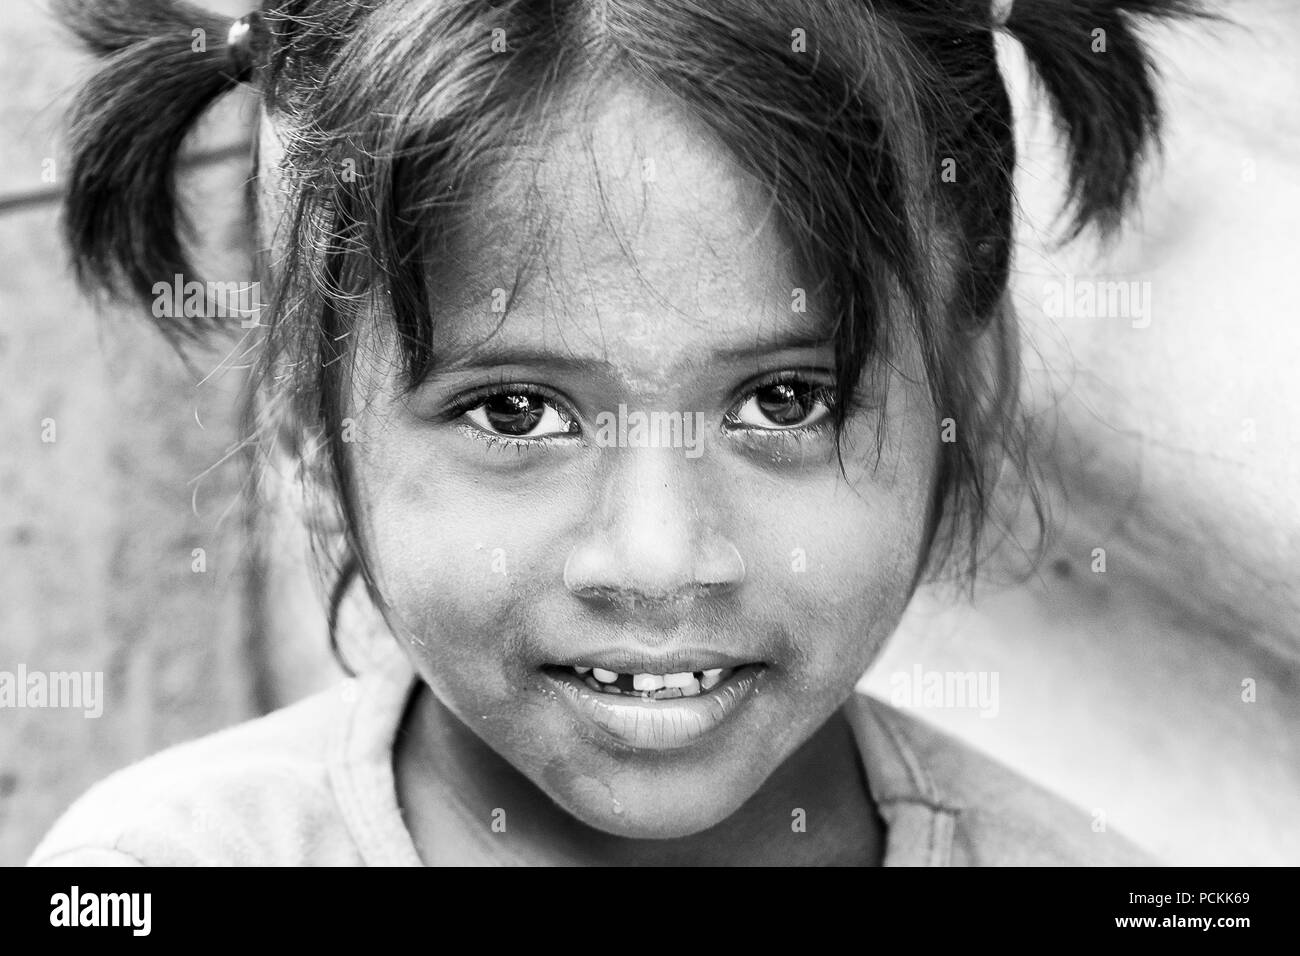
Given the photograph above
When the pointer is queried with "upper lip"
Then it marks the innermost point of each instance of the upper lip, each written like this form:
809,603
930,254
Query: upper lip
679,661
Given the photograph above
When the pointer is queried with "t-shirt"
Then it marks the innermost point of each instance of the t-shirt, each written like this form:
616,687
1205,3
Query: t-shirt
313,784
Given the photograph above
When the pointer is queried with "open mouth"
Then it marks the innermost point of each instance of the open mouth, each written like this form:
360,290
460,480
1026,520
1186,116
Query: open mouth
656,711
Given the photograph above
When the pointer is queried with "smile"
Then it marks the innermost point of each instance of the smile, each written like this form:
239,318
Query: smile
656,711
654,686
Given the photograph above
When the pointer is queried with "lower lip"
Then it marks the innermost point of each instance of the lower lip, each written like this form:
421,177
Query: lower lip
660,724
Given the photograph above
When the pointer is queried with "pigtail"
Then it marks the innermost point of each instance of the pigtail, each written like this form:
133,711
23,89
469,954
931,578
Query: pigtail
1097,73
164,64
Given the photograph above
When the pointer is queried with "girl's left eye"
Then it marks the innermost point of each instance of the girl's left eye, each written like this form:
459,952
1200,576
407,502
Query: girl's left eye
520,415
784,406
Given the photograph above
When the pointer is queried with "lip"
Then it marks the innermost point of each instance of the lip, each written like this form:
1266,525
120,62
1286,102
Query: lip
660,724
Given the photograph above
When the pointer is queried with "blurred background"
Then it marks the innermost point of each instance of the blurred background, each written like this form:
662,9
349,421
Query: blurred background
99,528
1122,690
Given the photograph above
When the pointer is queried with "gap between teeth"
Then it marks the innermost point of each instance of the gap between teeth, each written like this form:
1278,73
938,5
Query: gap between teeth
655,686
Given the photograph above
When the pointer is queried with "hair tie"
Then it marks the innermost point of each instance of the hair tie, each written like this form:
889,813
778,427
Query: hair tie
241,43
1001,12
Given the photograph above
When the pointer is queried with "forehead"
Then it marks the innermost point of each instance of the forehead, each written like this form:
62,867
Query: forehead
630,234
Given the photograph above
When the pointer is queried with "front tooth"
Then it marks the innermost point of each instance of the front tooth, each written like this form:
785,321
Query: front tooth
692,689
582,670
604,676
684,679
647,682
711,678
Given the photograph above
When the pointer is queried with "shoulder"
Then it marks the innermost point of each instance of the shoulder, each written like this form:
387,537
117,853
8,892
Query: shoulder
995,816
257,793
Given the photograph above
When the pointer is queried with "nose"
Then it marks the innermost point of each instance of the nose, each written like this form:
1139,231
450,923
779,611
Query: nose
653,536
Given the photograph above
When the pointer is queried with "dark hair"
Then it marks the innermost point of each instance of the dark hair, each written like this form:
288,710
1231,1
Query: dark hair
850,134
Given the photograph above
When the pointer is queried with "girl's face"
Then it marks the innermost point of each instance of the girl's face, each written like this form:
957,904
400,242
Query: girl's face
627,483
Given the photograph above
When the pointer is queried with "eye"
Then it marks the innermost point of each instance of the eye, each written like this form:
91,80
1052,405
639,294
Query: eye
520,414
783,405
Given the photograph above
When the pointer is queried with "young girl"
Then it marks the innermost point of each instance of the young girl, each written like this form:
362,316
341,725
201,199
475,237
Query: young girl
648,356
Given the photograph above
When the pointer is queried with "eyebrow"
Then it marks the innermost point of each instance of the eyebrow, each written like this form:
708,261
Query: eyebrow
493,356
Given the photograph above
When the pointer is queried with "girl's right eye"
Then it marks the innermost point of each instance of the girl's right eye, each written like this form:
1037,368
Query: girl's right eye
521,415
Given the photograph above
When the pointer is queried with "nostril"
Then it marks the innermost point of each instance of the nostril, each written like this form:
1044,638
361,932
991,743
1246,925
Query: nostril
629,597
594,594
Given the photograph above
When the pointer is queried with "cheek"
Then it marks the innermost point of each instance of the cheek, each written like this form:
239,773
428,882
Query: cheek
839,551
461,562
454,547
837,563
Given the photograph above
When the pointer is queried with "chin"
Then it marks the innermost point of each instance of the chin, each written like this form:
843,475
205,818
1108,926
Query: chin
649,819
653,805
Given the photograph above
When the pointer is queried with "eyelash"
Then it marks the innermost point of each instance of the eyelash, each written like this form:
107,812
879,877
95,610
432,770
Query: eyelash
823,393
476,399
